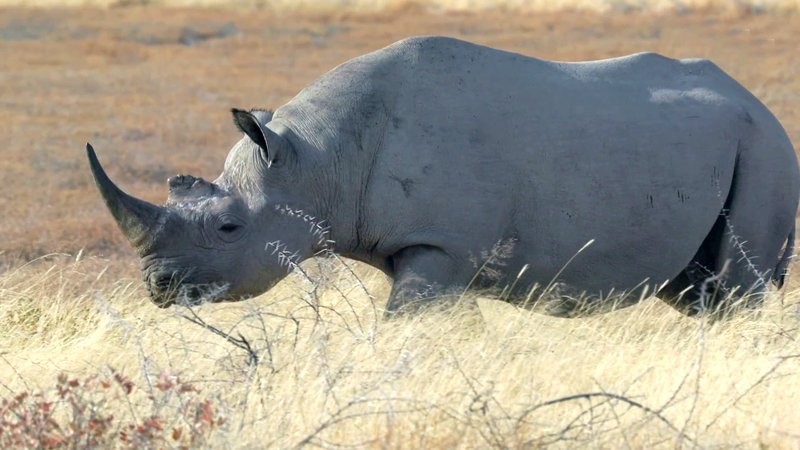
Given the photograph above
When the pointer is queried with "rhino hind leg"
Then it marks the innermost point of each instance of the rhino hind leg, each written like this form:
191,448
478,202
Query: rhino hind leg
699,287
751,254
730,271
726,274
742,252
758,219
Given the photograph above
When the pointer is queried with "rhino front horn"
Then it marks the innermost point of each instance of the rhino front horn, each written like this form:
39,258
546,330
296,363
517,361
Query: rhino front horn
136,218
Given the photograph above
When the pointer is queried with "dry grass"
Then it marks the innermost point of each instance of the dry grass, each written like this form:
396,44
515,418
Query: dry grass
332,374
153,98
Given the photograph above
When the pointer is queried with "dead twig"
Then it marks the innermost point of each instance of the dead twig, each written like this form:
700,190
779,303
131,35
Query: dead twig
240,342
609,395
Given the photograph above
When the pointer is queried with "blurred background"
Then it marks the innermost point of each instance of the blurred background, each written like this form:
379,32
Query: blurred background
150,83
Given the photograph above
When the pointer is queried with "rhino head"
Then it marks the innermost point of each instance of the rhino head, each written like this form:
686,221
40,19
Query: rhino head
225,240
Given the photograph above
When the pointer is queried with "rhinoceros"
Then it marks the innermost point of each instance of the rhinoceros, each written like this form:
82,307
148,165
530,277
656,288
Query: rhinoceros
450,165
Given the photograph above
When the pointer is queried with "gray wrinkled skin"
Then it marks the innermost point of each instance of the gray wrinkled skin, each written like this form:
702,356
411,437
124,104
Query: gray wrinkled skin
423,157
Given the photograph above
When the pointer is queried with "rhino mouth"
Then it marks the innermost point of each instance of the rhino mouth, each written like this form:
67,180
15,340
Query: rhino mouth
198,294
190,294
175,288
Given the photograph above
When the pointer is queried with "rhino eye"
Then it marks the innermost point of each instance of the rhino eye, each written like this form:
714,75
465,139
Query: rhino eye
229,227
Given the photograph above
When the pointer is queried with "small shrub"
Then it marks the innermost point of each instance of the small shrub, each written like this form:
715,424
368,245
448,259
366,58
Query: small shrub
92,412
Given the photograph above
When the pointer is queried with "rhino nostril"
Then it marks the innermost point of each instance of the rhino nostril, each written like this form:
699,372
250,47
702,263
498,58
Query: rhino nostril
181,181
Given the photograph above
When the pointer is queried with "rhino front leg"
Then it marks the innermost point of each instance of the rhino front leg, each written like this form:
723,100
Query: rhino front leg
424,275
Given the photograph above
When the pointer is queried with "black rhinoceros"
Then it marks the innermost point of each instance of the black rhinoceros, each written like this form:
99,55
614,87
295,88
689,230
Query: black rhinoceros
425,157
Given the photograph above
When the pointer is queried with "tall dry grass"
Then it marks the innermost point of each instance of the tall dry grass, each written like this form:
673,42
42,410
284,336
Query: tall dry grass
444,5
311,363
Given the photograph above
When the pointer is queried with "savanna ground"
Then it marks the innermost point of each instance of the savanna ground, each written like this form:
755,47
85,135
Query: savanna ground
311,363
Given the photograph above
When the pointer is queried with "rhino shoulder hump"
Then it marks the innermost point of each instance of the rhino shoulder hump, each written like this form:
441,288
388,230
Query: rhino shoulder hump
424,42
650,57
421,48
699,66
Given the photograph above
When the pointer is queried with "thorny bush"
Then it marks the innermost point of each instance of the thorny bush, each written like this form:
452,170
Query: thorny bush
97,412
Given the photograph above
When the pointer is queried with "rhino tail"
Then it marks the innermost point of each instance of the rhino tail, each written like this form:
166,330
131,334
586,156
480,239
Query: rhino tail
779,274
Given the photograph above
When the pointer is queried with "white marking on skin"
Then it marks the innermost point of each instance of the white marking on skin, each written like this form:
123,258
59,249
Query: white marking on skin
276,244
286,258
700,95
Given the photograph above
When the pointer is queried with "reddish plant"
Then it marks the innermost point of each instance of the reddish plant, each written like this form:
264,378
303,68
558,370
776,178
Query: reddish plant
77,413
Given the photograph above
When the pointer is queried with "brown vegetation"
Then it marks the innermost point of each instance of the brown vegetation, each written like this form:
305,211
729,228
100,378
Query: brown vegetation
151,89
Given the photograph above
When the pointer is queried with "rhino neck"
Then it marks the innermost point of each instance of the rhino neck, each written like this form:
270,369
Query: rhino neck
342,172
343,118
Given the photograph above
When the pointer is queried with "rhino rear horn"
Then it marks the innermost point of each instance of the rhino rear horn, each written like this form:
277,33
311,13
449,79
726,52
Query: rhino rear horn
274,145
137,219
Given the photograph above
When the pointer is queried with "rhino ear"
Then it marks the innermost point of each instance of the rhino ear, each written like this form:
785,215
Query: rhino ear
274,146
